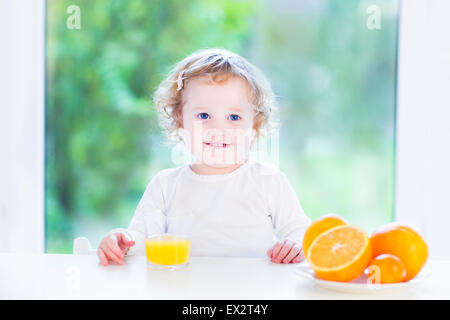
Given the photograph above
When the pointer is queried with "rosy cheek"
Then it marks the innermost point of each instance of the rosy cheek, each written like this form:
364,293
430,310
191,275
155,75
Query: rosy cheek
193,130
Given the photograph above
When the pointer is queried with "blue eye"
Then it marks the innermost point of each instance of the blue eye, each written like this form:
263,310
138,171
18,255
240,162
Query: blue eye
234,117
203,115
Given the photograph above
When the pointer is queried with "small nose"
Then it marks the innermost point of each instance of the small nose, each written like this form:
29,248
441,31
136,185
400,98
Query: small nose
219,123
217,129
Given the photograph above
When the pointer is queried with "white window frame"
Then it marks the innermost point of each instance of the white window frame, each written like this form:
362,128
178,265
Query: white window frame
22,115
423,122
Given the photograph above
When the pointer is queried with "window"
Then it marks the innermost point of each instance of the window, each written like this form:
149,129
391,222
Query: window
335,78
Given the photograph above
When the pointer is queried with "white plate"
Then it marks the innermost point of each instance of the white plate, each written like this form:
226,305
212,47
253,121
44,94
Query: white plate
359,285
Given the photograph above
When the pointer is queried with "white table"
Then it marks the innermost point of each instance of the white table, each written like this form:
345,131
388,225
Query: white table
60,276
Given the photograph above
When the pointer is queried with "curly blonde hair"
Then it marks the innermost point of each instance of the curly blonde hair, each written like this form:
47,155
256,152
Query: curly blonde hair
219,65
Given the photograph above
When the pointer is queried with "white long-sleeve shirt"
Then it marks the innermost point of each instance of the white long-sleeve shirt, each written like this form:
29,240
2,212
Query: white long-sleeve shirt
238,214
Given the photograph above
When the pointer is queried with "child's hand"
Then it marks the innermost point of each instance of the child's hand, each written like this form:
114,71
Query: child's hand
113,248
285,252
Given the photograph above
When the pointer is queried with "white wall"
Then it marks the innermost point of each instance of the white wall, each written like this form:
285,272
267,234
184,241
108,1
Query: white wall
423,122
21,125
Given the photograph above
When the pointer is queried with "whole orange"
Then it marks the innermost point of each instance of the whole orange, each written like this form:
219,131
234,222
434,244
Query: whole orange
403,242
387,268
318,227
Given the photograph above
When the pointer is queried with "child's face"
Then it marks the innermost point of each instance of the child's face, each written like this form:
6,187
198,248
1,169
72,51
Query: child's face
220,114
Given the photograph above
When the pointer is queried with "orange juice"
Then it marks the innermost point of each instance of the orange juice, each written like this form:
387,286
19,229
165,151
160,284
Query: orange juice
167,250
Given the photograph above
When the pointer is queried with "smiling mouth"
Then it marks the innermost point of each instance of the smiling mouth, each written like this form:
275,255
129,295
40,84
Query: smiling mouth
217,145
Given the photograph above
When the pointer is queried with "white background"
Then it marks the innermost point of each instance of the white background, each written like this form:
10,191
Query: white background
423,123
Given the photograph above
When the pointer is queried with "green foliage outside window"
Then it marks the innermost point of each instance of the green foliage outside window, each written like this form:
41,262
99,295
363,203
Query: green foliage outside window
335,80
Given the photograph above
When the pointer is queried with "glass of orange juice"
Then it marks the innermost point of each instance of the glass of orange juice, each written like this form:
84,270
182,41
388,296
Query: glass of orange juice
170,250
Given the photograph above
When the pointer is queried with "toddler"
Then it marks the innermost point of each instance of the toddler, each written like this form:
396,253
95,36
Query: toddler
218,104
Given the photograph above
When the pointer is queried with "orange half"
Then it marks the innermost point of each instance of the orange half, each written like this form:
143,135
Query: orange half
318,227
340,254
